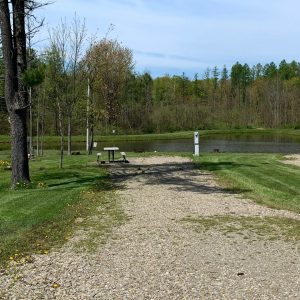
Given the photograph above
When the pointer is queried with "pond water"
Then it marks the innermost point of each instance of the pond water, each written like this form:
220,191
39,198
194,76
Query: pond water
252,143
225,143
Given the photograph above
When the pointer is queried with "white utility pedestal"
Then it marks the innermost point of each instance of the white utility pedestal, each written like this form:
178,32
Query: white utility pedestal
196,143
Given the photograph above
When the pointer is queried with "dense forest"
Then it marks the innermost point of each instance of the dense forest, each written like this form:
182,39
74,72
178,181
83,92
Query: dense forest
72,87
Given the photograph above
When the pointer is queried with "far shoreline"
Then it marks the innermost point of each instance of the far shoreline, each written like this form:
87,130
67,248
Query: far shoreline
167,136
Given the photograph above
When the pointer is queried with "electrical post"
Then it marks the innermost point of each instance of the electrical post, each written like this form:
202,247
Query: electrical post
196,143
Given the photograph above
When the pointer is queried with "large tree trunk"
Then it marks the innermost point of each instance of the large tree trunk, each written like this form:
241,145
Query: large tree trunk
14,54
20,170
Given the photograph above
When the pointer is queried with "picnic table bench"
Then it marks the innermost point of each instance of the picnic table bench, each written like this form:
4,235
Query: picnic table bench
111,154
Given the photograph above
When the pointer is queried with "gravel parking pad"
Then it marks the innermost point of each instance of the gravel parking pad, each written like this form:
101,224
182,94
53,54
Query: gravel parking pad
158,255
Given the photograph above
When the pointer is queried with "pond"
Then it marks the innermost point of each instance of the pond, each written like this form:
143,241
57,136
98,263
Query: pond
225,143
252,143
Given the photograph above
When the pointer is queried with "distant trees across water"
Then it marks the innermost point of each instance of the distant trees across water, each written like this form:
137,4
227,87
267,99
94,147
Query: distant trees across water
241,97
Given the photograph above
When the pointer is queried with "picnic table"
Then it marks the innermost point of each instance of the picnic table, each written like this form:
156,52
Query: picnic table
111,152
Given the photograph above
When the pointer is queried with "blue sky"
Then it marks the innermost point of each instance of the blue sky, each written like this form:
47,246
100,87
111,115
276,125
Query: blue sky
175,36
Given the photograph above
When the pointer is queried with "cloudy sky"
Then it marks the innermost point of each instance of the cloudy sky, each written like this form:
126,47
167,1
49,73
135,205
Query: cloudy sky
175,36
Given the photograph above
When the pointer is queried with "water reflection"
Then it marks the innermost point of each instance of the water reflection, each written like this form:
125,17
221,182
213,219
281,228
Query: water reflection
225,143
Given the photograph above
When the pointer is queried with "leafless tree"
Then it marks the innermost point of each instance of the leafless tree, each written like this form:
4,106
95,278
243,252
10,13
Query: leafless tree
77,33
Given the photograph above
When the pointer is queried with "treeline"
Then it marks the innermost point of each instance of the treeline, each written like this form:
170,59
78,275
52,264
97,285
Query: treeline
261,96
242,97
75,89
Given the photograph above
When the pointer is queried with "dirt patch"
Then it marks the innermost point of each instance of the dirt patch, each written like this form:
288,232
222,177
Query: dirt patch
293,159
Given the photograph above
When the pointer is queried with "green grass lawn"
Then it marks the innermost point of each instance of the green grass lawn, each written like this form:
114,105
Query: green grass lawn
263,177
34,219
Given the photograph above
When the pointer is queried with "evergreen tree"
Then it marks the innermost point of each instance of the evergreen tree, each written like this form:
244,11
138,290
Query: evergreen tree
215,74
224,74
270,70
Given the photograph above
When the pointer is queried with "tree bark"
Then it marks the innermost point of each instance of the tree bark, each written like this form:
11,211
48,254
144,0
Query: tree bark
20,170
16,96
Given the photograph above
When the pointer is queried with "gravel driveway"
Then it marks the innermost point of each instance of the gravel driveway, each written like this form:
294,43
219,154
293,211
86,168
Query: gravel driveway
159,254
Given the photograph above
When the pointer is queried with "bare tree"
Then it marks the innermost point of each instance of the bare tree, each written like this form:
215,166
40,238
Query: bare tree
77,34
58,65
32,25
68,41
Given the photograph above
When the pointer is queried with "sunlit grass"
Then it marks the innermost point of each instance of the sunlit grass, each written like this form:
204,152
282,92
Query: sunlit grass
38,216
263,177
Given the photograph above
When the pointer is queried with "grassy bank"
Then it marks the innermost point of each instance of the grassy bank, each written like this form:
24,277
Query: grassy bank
173,135
261,177
42,215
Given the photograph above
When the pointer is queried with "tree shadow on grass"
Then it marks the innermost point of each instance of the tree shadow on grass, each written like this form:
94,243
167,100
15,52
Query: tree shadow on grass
221,165
177,176
76,179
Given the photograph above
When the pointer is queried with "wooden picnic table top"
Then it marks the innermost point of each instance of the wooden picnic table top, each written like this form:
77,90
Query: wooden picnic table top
111,148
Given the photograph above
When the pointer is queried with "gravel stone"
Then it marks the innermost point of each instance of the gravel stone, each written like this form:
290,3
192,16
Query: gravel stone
155,255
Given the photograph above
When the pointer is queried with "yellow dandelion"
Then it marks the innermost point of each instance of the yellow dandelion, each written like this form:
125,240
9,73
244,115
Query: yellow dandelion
55,285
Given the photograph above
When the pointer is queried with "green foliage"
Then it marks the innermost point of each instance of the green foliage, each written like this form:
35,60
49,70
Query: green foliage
243,97
224,74
109,63
270,70
35,73
257,71
241,77
34,77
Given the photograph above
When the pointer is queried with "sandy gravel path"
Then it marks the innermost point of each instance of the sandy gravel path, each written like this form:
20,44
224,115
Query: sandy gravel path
293,159
156,255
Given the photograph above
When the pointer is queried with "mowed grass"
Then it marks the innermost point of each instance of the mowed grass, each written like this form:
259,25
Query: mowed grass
43,215
262,177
